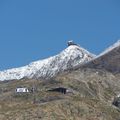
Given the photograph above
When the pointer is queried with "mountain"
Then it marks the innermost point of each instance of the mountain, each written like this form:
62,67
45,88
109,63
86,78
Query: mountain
108,60
71,57
89,97
92,87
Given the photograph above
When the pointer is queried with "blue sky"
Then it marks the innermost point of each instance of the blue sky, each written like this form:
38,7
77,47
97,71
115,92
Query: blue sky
35,29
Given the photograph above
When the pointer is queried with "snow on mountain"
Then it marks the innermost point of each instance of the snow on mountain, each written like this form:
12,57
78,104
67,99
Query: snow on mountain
47,68
106,51
115,45
108,60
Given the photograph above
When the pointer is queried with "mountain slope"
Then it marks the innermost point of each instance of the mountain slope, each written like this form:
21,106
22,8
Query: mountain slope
47,68
91,88
91,96
109,59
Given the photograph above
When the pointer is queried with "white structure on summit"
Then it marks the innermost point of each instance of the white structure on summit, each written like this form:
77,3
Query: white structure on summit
69,43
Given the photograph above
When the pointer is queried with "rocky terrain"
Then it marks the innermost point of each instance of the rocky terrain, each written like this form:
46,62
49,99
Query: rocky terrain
91,91
109,59
90,98
72,56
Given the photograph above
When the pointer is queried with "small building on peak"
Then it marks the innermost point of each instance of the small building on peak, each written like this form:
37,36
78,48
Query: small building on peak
70,42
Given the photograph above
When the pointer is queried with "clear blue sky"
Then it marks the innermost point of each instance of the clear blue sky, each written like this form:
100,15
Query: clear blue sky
35,29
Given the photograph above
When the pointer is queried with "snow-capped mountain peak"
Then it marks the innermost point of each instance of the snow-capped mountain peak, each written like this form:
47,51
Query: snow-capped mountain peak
72,56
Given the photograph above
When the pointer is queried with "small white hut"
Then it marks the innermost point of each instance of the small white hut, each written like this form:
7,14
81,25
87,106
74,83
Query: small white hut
21,90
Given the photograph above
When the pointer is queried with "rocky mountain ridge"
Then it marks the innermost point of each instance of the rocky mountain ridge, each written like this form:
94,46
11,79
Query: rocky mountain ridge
108,60
71,57
92,88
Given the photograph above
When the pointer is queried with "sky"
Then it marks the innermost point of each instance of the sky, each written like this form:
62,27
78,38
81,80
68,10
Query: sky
31,30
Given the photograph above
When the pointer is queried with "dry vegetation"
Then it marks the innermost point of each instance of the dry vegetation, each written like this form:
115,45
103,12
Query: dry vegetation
91,97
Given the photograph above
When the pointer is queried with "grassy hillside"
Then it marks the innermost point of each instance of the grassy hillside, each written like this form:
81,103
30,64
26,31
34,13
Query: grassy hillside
91,96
